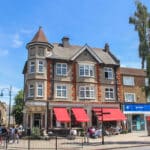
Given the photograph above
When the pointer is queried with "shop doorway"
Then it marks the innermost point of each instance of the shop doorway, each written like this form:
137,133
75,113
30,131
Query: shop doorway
37,120
138,123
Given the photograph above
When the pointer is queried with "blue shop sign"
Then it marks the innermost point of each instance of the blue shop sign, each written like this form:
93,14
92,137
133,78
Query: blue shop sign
136,107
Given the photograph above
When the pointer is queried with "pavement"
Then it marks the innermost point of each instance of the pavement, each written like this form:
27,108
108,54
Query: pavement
121,141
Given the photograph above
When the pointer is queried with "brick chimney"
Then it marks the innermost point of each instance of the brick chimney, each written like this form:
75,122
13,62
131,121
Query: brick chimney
65,41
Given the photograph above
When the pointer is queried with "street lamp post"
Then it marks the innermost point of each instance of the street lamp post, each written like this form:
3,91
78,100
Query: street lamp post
10,93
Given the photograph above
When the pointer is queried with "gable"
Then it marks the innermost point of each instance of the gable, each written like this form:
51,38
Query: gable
86,56
86,48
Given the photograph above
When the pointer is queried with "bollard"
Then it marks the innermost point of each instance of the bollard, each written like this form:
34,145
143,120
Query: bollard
56,142
28,134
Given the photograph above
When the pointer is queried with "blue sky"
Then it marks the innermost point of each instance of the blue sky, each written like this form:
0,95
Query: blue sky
94,22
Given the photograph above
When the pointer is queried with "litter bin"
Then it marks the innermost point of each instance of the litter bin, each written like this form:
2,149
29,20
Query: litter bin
148,124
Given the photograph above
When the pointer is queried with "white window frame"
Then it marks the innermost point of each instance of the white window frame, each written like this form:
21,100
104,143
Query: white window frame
41,51
109,93
40,66
128,80
88,92
32,67
62,68
146,81
62,91
130,95
86,70
31,90
108,72
40,89
148,98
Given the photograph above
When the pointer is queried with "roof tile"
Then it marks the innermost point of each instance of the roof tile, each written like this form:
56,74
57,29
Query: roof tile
39,36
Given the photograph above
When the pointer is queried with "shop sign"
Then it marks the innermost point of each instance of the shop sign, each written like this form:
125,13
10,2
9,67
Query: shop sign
137,107
35,103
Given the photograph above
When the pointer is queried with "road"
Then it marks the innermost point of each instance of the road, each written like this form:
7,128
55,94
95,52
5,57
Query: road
137,148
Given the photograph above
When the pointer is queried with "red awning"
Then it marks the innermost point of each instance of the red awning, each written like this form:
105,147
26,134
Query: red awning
113,114
148,118
80,115
62,114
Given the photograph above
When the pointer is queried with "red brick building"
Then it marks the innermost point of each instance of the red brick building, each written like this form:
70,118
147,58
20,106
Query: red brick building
66,85
136,106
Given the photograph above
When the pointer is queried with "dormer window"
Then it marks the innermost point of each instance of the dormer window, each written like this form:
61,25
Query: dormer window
61,69
86,70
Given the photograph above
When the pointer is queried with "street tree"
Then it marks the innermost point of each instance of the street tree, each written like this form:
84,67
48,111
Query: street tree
140,20
17,111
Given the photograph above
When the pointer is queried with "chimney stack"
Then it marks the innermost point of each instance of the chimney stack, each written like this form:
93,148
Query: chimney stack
106,49
65,41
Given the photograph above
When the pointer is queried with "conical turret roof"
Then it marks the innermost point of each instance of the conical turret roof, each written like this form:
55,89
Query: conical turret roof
39,36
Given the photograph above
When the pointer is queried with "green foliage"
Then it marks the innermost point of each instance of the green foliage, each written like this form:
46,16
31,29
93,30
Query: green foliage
141,22
124,132
35,133
17,111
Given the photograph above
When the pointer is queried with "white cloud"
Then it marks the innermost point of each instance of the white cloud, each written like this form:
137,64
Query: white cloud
3,52
16,41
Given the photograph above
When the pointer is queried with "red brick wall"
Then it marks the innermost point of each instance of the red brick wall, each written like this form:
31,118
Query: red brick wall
119,85
98,81
74,96
49,71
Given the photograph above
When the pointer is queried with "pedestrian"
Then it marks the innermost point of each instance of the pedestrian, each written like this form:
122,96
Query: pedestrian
12,134
16,135
86,134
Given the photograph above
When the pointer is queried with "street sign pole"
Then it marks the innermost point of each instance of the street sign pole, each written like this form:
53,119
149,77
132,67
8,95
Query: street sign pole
102,127
102,121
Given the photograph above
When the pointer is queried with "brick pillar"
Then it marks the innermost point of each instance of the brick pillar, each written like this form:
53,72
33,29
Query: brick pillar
74,93
98,81
119,85
49,78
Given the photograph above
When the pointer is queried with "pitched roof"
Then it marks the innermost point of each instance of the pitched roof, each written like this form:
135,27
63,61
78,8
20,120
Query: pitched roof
132,71
67,53
39,36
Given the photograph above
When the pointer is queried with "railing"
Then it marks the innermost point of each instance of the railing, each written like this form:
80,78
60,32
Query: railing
53,142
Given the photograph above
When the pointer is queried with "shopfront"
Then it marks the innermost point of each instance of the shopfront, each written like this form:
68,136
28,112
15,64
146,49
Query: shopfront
136,116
